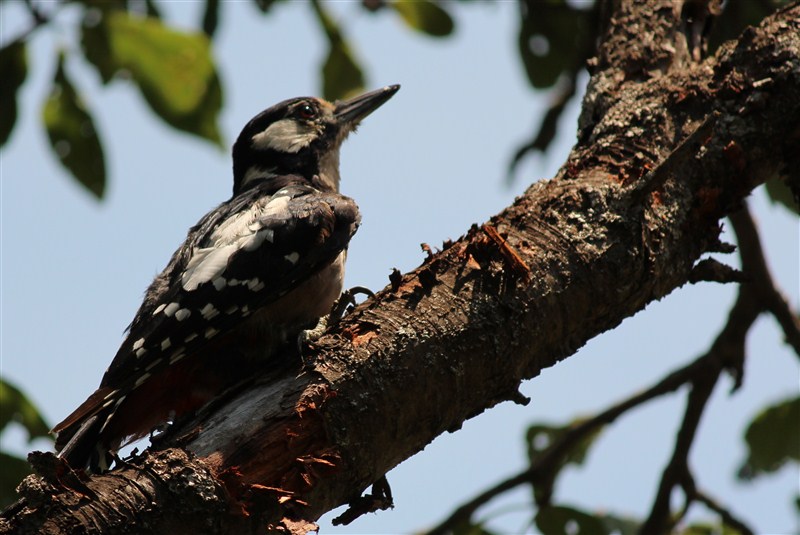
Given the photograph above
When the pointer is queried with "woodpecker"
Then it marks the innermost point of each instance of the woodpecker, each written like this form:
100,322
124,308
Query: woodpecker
252,275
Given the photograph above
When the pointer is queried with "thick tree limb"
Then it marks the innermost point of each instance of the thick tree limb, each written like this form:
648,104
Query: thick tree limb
666,148
726,353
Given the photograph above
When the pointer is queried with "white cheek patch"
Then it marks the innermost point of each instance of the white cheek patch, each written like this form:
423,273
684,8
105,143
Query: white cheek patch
286,135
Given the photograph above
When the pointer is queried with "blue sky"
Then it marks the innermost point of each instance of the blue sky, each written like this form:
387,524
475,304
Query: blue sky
423,169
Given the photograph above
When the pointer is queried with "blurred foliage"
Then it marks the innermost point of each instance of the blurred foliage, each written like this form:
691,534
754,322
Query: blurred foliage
471,528
562,520
709,529
557,37
211,17
773,439
14,66
424,16
341,74
779,193
16,408
72,133
541,439
173,70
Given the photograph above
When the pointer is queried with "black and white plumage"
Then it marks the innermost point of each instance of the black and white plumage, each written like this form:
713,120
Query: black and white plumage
251,276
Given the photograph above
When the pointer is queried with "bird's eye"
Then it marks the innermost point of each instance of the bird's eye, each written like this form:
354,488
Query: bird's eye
306,111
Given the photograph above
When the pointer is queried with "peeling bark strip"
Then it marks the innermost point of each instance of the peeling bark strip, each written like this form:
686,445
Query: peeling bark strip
666,148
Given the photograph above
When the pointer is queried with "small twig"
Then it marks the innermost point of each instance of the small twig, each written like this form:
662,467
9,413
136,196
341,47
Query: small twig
39,20
787,318
560,96
466,510
677,471
755,265
379,499
515,262
548,459
711,270
727,517
427,250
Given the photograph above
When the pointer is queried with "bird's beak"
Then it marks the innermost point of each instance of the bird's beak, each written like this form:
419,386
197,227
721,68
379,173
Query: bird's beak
351,112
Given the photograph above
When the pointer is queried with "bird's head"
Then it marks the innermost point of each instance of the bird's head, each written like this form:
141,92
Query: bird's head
300,136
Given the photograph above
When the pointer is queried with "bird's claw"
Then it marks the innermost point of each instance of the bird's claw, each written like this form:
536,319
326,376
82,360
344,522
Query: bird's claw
345,303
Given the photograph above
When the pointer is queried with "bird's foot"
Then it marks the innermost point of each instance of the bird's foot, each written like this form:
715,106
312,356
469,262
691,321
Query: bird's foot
343,305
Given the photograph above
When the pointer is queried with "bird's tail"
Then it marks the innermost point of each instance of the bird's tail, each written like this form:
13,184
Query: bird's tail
79,437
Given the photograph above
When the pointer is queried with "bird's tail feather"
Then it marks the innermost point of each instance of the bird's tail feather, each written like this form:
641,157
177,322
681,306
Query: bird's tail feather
79,436
85,448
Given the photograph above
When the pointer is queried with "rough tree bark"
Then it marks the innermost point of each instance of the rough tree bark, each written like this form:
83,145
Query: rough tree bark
667,146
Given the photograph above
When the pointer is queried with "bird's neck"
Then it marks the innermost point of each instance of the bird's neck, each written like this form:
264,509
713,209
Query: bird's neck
327,177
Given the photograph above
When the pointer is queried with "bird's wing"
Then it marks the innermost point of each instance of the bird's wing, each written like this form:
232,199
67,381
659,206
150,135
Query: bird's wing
228,268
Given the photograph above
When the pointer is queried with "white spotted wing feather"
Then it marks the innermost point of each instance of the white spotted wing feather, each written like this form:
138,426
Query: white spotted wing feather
233,265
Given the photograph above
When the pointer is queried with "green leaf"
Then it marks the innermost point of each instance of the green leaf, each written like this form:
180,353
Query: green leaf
568,520
14,470
104,5
709,529
558,520
619,525
211,17
96,45
152,9
15,407
72,133
780,193
554,36
773,439
424,16
341,75
540,437
264,5
14,66
469,528
173,70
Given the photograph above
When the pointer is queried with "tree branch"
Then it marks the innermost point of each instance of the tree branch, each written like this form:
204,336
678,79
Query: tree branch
540,470
727,352
727,517
677,472
768,293
458,334
704,368
703,373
